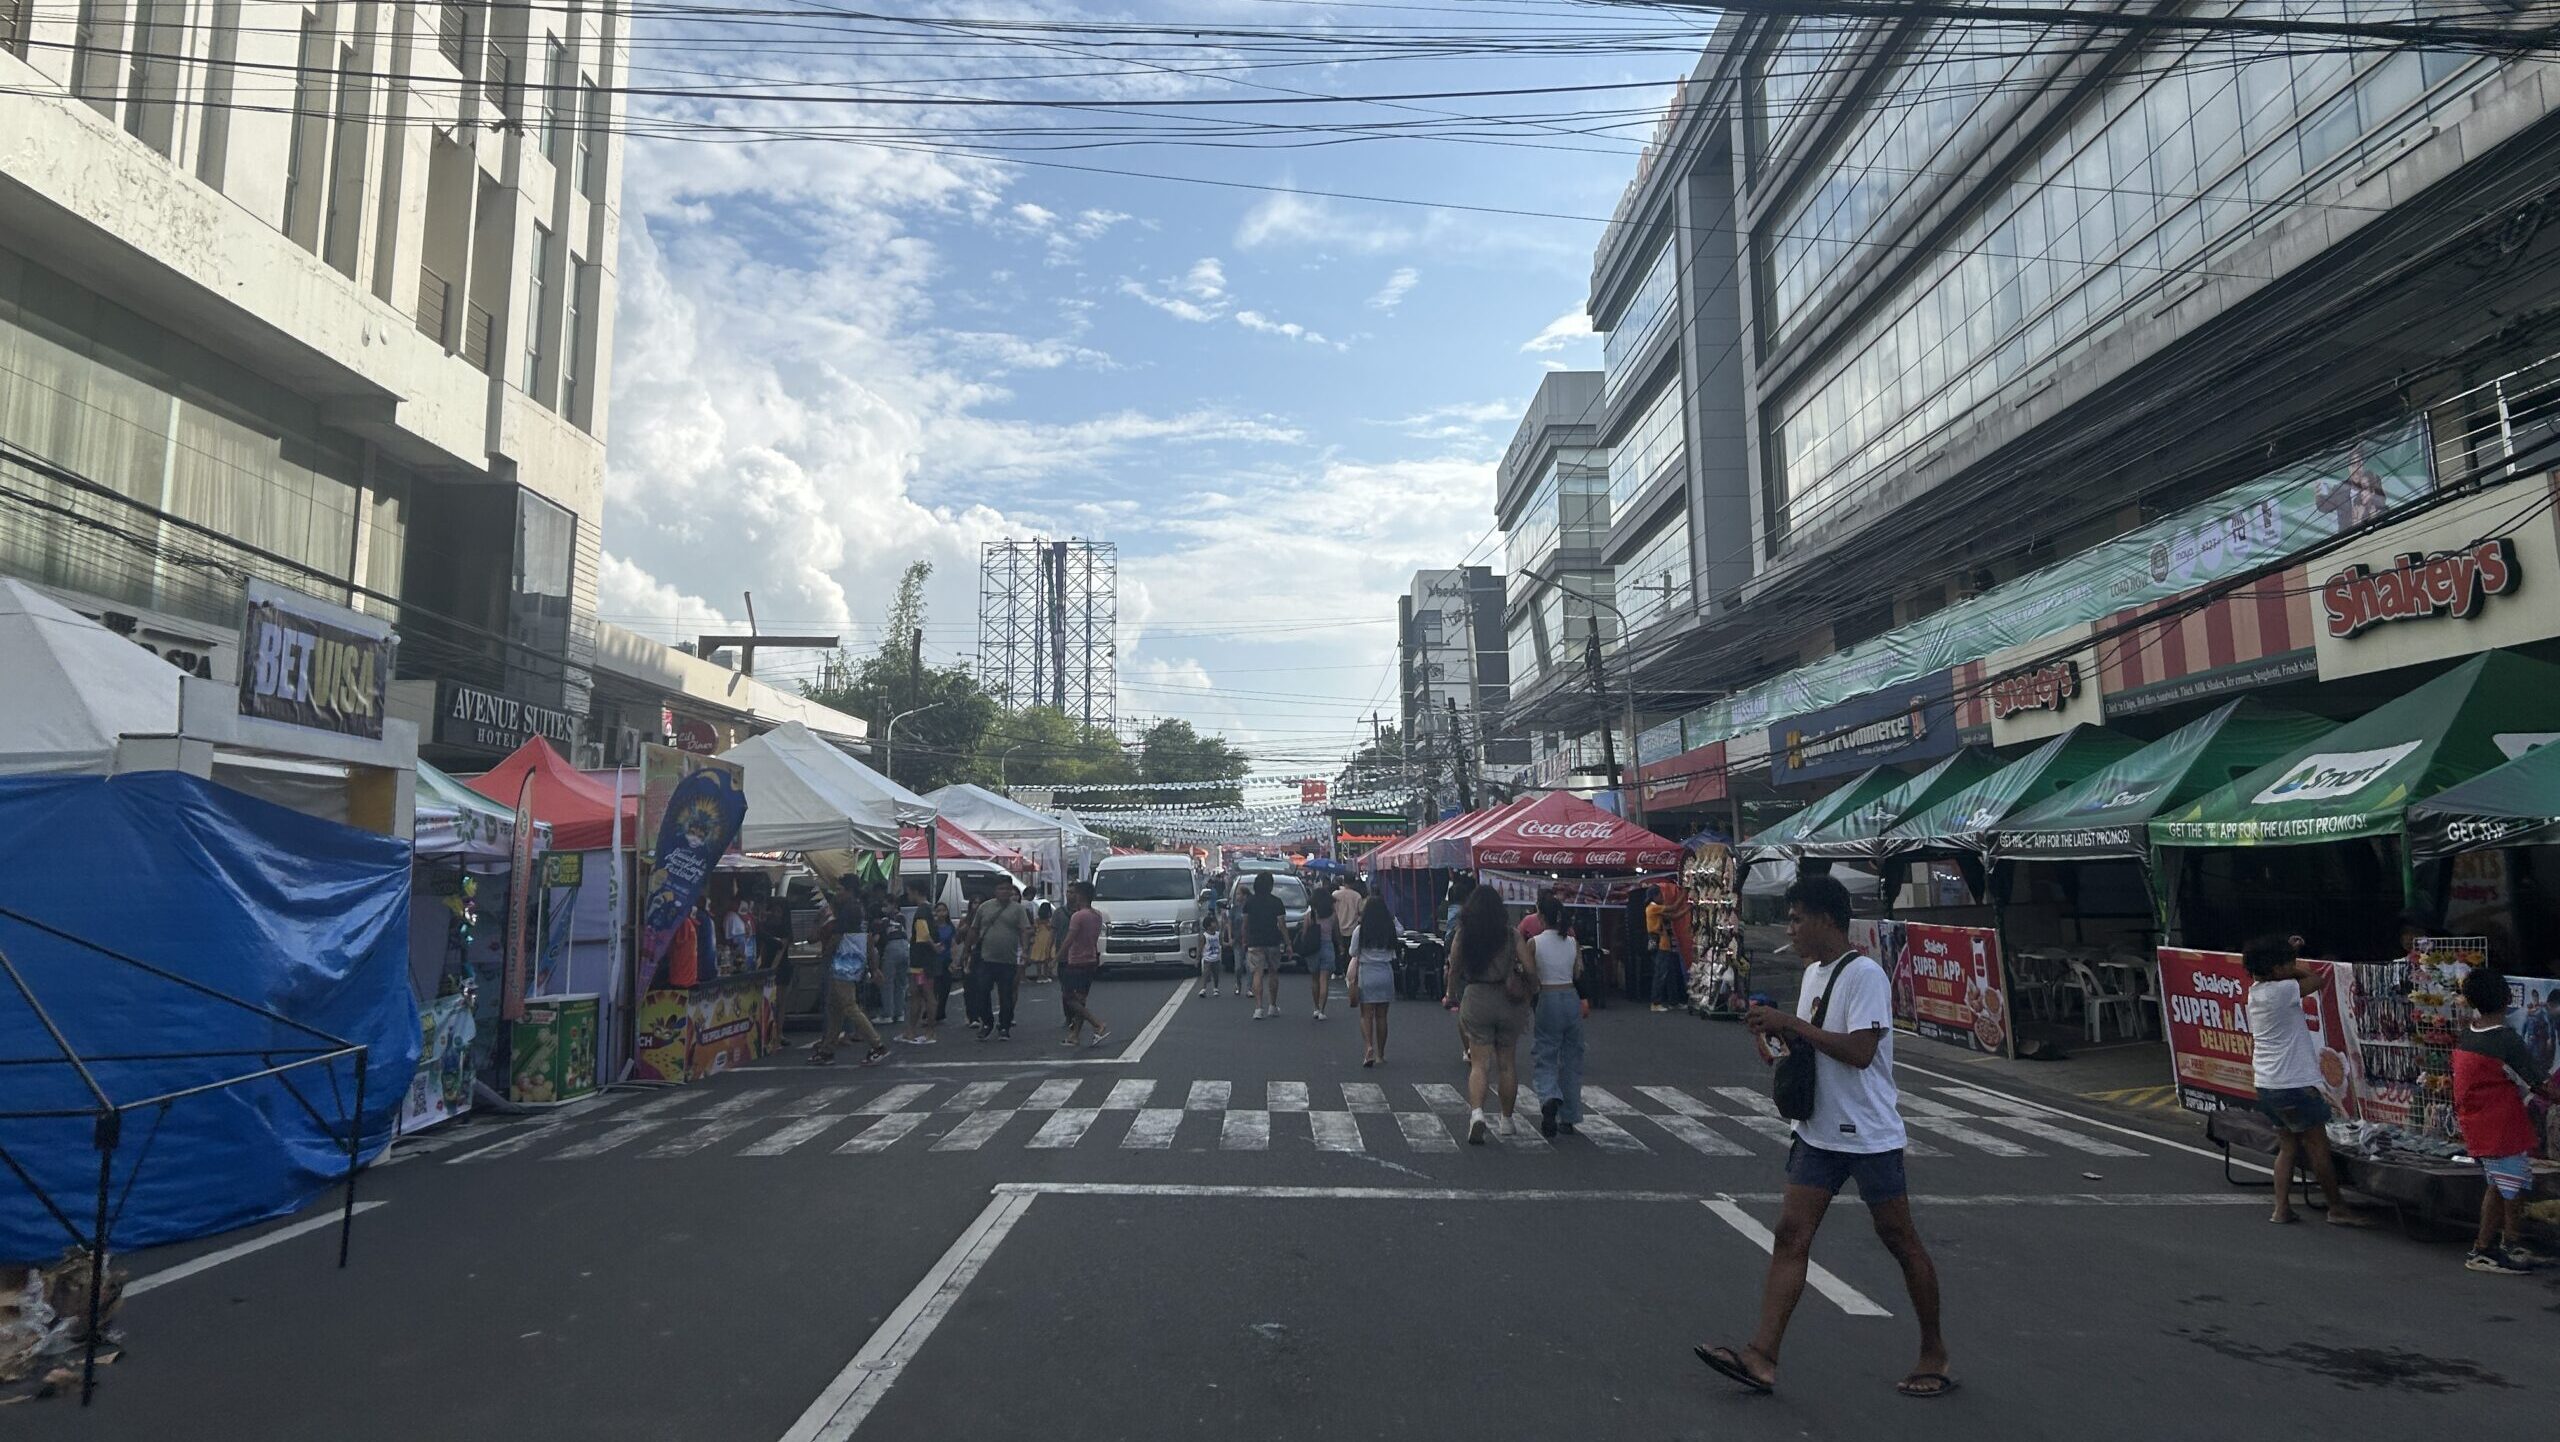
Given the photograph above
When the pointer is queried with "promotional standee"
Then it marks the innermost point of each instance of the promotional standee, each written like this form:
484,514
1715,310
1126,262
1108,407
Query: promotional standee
695,1020
1959,990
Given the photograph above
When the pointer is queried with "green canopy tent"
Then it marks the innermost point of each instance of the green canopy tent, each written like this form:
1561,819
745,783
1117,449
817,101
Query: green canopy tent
2358,781
1779,842
2104,816
1857,834
1963,824
2517,804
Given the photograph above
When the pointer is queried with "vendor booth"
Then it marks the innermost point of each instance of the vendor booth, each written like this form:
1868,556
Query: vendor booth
1856,833
2487,854
1784,841
462,875
1063,847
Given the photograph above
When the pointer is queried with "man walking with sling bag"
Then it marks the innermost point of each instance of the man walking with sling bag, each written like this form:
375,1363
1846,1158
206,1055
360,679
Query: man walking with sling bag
1850,1128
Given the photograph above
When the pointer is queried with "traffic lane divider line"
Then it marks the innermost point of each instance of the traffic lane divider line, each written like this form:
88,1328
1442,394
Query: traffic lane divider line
1840,1294
1278,1192
841,1408
237,1250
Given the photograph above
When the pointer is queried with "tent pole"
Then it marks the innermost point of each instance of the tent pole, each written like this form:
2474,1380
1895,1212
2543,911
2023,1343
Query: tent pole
355,1146
110,1127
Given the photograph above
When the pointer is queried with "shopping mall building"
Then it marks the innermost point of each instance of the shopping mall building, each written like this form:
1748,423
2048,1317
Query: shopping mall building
1964,382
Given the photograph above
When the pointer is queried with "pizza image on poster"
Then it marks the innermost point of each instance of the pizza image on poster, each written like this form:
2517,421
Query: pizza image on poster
1959,991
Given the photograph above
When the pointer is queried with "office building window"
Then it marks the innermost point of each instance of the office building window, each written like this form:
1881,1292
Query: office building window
572,336
452,30
555,98
535,291
13,26
1653,445
93,55
1653,581
345,218
306,156
591,118
498,80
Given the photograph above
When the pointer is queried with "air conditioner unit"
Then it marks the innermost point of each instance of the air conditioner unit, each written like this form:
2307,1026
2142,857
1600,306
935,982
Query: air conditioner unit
626,745
590,756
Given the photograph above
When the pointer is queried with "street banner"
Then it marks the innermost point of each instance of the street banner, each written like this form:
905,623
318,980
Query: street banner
522,887
732,1026
1882,938
690,810
2204,996
1959,991
441,1089
305,662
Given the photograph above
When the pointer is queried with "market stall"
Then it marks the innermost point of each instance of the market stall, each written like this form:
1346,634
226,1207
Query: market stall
1857,833
1593,859
2311,843
1784,841
461,873
1063,847
2487,854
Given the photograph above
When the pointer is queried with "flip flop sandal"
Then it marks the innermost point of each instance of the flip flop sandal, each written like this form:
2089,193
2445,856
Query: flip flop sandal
1925,1385
1728,1362
2287,1220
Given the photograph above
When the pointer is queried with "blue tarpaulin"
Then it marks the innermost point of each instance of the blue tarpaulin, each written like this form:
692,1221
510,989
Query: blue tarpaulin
303,917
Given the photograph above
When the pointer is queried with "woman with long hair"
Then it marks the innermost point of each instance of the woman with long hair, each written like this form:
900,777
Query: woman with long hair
1488,953
1555,1069
1373,977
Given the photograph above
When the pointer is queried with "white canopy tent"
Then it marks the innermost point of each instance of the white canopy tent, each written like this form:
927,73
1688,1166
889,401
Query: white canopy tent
1064,847
805,795
73,688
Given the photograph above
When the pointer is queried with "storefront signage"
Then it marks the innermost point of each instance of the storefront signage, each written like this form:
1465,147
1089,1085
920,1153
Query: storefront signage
2046,688
2418,586
2333,773
1916,722
1311,793
493,721
307,663
1959,993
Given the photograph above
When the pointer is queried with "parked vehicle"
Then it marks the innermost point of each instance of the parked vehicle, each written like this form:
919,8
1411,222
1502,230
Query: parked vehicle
1150,907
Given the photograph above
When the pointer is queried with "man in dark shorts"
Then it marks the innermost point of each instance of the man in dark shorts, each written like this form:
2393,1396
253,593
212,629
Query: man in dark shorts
1855,1133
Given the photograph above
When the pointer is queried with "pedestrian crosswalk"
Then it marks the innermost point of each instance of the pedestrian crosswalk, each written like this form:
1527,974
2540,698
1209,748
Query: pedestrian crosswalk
1141,1114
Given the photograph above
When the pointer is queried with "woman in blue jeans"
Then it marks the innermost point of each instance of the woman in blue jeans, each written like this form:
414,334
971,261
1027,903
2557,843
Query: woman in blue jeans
1555,1066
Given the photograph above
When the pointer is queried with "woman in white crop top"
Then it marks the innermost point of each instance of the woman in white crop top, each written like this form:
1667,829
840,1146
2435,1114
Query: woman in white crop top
1555,1068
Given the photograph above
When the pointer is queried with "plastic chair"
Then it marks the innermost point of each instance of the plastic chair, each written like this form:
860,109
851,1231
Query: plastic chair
2038,984
2098,997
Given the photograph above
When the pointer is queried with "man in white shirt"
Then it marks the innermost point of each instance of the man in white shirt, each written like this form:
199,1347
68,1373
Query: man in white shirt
1855,1132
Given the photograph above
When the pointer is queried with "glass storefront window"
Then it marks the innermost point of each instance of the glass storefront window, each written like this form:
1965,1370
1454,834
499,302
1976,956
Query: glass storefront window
1651,445
538,602
1656,301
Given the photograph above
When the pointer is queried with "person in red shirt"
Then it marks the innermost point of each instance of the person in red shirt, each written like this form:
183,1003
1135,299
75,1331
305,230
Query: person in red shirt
1083,963
2491,1073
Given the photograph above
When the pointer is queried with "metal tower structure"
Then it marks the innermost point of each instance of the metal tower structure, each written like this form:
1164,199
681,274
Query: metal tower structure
1049,626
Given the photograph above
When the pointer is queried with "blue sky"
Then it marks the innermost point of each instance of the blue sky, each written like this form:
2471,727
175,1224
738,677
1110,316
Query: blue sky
831,360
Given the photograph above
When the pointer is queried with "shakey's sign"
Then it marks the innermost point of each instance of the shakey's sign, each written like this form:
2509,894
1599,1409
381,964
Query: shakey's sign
2046,688
2418,586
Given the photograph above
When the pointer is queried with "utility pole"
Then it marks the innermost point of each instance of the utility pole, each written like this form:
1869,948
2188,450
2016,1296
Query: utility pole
1600,685
748,644
1458,757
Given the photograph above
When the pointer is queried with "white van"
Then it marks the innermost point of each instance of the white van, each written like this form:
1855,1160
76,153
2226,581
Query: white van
1150,909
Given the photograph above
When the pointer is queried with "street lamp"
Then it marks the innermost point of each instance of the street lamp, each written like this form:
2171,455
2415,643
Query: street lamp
1002,759
889,740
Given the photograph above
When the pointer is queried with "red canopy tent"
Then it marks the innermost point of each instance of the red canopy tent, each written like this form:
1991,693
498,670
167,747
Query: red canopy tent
1562,832
1454,849
1412,853
956,843
578,808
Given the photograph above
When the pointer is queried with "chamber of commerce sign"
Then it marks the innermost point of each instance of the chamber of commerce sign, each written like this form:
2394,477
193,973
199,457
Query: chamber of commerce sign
2455,583
2046,688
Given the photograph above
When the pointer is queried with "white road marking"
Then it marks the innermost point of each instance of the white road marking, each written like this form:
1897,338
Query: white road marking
1128,1096
1288,1096
2046,1131
879,1135
812,1103
841,1408
1699,1135
687,1143
1440,1097
1524,1134
1470,1194
896,1099
1987,1101
973,1131
664,1101
1774,1128
523,1137
1245,1132
1365,1097
1753,1103
1601,1099
1050,1095
237,1250
1847,1298
1956,1131
1679,1101
1146,1039
1209,1096
731,1106
2071,1116
1336,1131
1135,1051
1152,1129
1424,1133
1607,1135
790,1136
976,1096
1064,1128
1915,1105
603,1141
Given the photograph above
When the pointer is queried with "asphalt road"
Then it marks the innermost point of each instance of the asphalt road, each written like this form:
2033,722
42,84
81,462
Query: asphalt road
1218,1228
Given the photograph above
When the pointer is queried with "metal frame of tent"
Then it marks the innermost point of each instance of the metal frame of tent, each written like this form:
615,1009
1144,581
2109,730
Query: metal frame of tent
107,1135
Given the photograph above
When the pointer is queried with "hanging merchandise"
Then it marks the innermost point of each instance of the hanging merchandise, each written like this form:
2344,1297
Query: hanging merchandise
1720,977
2402,1015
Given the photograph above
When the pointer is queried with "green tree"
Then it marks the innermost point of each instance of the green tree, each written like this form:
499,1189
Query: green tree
1043,746
1171,752
939,743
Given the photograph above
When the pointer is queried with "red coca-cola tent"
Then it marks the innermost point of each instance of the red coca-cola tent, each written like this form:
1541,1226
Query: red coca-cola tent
1562,832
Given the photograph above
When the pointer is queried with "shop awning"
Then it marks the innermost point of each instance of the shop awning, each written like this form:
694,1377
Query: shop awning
1858,834
1455,848
1562,832
74,688
2360,779
578,808
2517,804
1966,820
1412,853
955,842
454,820
804,794
2103,816
1001,818
1779,842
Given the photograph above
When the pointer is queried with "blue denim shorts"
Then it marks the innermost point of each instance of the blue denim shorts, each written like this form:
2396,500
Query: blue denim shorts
2296,1109
1879,1175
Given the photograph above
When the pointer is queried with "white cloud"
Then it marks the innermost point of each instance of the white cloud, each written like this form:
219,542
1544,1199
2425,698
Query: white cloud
1199,295
1036,216
1001,351
1462,421
1278,220
1398,286
1564,330
1255,320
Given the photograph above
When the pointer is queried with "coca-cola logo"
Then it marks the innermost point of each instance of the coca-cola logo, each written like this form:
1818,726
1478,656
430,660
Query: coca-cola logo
1568,830
2415,587
2046,688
